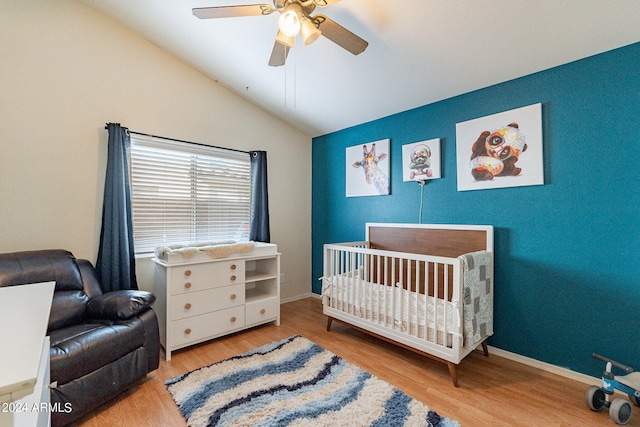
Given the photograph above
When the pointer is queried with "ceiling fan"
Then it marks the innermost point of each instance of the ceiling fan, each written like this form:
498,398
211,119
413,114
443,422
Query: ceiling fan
295,18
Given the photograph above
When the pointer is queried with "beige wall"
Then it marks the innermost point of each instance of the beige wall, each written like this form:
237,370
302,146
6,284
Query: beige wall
64,71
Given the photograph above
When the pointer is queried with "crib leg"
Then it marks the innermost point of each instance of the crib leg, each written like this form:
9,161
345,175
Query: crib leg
453,373
485,348
329,320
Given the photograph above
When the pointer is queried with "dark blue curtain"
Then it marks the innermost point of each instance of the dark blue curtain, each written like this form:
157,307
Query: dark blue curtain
259,231
116,264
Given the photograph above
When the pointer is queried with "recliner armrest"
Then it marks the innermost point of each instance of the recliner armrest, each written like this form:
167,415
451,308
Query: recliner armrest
119,305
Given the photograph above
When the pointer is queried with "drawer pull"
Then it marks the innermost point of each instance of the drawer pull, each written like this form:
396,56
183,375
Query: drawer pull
187,285
187,306
263,311
187,273
233,266
233,296
233,319
233,278
187,331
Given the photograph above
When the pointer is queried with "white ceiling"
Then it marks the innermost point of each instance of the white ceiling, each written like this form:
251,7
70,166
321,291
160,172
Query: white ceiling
420,51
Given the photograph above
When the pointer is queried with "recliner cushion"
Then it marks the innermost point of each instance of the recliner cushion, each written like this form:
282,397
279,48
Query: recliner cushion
119,305
80,349
67,308
19,268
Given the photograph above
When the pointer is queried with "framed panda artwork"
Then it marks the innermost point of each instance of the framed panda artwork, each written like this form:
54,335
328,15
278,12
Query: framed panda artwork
501,150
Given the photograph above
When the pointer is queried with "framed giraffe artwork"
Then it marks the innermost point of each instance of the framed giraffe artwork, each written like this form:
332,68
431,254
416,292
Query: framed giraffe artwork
367,169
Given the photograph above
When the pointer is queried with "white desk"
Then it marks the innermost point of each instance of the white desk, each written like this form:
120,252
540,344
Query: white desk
24,315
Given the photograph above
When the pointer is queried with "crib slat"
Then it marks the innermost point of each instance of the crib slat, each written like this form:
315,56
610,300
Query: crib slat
417,289
378,301
336,277
445,303
334,284
389,282
353,281
343,283
436,300
425,293
334,280
411,293
397,290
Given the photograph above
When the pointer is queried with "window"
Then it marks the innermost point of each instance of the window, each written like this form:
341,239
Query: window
185,193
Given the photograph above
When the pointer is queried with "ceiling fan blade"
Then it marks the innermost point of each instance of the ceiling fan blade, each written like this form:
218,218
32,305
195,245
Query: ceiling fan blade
278,54
324,3
340,35
232,11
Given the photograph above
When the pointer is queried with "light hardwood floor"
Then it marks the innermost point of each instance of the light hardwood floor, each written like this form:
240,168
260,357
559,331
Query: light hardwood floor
493,391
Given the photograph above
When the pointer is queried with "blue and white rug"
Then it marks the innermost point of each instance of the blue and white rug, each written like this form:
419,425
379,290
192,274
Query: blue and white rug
294,382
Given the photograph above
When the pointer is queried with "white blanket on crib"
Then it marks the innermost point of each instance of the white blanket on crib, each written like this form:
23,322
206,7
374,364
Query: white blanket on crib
371,300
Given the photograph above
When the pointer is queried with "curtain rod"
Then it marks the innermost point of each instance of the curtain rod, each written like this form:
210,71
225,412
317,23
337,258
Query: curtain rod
186,142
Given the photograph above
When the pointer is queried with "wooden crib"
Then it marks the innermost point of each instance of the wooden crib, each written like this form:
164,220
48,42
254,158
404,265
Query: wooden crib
425,287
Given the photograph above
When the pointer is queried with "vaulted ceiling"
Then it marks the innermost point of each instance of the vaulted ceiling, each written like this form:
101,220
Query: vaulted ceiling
420,51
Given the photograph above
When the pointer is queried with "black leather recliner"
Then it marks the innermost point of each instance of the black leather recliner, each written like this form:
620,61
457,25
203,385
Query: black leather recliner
101,344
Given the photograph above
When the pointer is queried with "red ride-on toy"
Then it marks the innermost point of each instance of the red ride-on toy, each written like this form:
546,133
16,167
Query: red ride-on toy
598,398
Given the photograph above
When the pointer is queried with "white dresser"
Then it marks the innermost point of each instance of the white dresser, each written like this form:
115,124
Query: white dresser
24,358
200,297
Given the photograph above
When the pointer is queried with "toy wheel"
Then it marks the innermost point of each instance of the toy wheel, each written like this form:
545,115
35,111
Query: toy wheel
594,398
635,399
620,411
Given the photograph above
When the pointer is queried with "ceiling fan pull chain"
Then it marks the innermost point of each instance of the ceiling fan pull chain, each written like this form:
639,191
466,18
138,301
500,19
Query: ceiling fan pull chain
285,86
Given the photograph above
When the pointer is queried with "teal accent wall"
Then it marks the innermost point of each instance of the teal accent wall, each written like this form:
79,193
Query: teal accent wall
567,254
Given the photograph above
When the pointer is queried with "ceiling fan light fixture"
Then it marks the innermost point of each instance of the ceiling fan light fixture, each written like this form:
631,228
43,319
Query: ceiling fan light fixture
289,22
309,32
285,40
295,18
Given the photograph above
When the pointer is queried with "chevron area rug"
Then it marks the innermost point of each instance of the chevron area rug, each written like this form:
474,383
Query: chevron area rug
294,382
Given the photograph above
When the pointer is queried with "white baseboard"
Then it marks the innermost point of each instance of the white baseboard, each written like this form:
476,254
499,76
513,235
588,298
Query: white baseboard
563,372
297,297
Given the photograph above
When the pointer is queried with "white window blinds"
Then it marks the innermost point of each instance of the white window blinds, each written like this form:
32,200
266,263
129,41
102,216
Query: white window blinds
186,193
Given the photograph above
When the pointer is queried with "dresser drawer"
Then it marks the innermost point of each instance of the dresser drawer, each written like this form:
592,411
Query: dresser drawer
198,277
262,310
197,328
201,302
